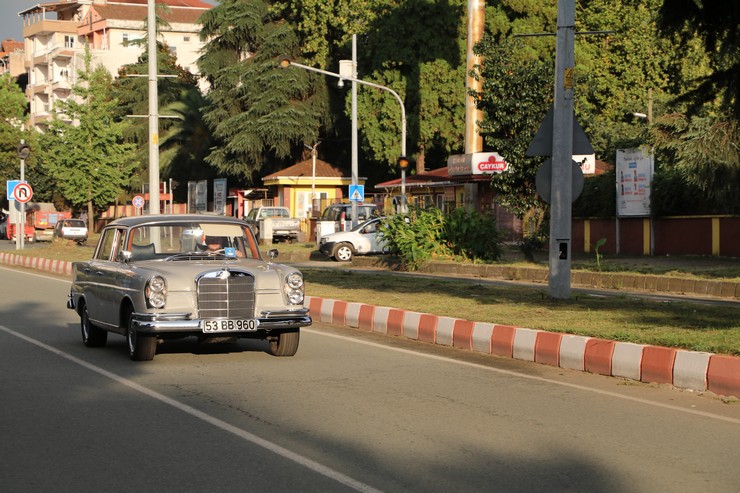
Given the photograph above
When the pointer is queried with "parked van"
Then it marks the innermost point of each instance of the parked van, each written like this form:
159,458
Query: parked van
338,217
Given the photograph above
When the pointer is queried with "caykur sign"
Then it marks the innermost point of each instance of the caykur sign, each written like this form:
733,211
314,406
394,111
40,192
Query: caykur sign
477,163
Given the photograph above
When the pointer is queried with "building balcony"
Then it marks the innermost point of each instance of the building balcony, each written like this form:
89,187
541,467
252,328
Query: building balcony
62,85
37,88
34,27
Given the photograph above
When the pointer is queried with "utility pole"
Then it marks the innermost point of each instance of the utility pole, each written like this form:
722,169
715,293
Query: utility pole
562,154
473,138
153,111
476,25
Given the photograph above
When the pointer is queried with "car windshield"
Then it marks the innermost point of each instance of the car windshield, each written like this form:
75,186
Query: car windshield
161,241
362,225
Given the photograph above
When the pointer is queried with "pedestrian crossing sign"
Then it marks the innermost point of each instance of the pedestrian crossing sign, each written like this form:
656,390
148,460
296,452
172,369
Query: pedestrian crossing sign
357,193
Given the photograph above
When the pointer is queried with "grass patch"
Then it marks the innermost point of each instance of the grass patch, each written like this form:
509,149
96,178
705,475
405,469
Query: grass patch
676,324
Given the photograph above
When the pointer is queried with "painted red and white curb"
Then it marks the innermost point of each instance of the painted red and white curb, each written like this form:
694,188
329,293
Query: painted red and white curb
47,265
684,369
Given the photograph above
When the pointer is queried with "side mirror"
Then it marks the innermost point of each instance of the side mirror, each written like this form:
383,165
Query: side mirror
272,253
125,256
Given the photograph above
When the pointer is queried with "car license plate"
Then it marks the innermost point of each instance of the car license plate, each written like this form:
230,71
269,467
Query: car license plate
229,325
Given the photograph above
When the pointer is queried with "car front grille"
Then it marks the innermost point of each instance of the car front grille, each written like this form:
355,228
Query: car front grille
226,294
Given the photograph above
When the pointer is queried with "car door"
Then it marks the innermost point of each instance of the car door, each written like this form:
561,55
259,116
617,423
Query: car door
101,274
366,241
374,236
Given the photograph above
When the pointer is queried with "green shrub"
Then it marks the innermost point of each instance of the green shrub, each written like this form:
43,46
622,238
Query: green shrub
473,235
426,234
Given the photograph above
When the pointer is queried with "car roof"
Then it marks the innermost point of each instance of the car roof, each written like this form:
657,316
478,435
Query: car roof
151,219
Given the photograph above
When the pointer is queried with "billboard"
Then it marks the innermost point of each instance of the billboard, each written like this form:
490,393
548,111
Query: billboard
634,169
219,196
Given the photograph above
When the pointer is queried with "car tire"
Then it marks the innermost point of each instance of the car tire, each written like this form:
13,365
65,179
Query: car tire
141,347
343,252
92,335
285,343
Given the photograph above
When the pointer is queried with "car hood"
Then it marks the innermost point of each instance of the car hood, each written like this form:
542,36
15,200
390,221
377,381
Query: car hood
341,236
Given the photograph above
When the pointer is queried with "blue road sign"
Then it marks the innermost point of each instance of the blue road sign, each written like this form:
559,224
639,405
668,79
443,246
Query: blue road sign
11,188
357,193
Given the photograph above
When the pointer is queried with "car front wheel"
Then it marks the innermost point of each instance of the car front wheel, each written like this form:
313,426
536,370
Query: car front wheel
92,335
285,343
141,347
343,252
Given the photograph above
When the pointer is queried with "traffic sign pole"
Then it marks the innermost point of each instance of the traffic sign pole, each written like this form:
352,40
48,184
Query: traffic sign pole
20,234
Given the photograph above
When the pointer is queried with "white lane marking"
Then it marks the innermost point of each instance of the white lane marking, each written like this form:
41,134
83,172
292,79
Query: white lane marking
272,447
512,373
22,270
530,377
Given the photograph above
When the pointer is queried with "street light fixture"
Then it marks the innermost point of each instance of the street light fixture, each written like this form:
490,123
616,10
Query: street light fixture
286,62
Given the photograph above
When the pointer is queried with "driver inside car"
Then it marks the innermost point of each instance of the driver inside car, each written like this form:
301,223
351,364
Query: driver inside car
213,244
218,244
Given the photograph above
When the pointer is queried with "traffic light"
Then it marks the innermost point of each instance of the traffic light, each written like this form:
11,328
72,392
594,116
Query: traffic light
23,150
403,162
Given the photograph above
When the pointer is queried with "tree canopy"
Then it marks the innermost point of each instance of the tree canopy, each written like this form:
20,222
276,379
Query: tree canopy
89,161
12,116
258,112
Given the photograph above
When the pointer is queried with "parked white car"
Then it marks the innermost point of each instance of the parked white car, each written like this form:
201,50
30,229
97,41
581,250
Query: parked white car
338,217
364,239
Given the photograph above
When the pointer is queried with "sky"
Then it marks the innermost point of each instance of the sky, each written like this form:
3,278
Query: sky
11,26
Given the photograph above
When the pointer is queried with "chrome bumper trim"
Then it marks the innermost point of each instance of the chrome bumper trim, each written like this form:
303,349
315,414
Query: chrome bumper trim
149,323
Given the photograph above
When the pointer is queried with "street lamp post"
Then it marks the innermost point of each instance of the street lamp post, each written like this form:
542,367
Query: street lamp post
287,62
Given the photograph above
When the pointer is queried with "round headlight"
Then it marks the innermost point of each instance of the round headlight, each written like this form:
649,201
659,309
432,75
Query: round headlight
157,284
295,280
156,292
295,296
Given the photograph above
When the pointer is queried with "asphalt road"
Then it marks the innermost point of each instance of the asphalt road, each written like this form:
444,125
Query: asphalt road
350,412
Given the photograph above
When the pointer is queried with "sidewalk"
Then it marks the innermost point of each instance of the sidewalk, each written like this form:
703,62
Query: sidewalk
698,371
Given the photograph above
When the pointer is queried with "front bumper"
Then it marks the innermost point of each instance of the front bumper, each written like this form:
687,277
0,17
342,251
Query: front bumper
74,237
150,323
327,248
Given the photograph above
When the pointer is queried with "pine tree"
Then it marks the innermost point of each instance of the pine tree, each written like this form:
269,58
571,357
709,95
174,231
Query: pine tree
258,112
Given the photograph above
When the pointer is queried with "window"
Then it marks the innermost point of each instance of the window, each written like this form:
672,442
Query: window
69,41
441,202
106,248
124,38
186,39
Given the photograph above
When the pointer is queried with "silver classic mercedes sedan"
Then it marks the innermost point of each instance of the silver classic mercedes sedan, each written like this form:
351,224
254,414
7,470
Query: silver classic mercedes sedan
159,277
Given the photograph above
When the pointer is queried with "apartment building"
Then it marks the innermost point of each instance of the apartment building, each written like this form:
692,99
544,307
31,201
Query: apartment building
11,57
56,34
